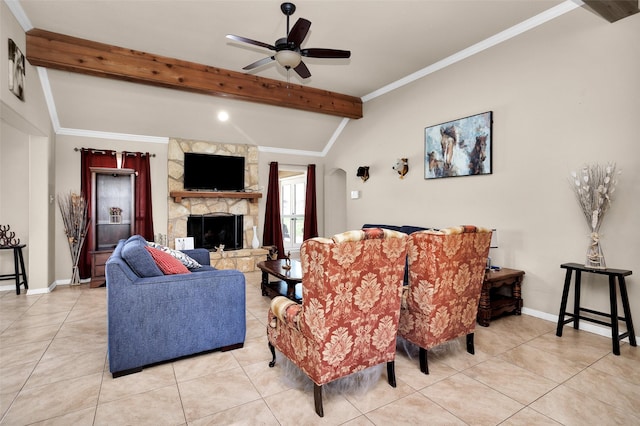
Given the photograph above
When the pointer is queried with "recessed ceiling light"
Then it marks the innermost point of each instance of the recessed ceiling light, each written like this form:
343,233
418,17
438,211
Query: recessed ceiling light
223,116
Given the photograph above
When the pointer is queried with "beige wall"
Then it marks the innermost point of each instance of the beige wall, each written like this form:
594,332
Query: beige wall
14,194
26,166
563,94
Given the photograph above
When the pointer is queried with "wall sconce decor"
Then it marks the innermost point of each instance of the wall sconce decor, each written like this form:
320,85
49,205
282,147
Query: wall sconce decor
402,167
363,173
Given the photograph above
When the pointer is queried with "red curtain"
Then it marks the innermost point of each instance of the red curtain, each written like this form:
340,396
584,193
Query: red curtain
272,235
310,210
91,158
144,218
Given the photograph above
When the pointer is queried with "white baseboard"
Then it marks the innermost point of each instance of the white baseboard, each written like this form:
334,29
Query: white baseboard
30,291
583,325
49,289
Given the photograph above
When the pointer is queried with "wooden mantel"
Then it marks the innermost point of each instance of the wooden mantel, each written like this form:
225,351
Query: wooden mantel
67,53
179,195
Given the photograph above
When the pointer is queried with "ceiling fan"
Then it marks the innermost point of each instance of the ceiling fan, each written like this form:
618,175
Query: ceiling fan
288,51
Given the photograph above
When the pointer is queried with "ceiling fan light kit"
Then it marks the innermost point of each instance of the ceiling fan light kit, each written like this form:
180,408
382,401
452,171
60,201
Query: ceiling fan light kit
288,58
288,52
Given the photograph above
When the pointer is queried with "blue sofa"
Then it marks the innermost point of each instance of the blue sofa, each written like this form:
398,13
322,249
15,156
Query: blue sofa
154,317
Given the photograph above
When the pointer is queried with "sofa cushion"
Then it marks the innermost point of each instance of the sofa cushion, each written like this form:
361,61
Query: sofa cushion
168,264
200,255
139,259
185,259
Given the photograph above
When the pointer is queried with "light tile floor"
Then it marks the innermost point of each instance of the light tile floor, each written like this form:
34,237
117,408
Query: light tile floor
54,371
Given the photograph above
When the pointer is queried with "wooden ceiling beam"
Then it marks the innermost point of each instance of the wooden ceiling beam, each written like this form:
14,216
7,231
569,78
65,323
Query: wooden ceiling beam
63,52
613,10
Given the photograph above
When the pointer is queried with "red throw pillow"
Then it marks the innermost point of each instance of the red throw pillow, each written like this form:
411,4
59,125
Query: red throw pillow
167,263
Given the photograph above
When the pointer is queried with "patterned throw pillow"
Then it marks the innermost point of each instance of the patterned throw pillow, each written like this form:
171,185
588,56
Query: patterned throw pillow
168,264
186,260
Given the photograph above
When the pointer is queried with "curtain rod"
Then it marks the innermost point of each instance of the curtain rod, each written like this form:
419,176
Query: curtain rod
104,152
291,164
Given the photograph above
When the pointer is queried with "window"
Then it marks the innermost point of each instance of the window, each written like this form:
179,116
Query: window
292,199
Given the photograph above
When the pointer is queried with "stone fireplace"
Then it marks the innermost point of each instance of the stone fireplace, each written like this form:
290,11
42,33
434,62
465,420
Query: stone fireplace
212,230
180,209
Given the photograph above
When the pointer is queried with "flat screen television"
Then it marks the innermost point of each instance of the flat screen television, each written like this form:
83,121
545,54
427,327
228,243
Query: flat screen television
210,172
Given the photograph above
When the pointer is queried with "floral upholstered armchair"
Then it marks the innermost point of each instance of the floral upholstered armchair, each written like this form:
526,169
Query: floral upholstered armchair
348,319
446,270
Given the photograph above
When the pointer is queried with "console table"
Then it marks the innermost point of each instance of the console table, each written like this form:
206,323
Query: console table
18,265
575,317
501,293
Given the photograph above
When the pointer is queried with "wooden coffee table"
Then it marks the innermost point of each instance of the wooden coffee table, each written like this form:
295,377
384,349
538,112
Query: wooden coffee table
288,283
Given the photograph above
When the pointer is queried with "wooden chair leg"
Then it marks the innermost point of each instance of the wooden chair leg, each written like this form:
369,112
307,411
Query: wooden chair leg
422,356
391,373
317,399
470,347
273,354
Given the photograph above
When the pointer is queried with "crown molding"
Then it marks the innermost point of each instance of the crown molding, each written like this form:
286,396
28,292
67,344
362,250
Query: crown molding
485,44
111,135
18,13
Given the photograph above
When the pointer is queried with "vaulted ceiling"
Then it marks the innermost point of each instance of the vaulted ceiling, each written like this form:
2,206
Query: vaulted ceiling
389,41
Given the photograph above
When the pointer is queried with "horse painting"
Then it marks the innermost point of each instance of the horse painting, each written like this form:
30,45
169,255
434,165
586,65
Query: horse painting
460,147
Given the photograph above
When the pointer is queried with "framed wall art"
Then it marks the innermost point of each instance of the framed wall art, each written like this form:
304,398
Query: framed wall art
16,70
460,147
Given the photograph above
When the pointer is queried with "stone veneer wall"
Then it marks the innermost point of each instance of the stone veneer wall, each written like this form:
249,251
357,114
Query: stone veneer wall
178,213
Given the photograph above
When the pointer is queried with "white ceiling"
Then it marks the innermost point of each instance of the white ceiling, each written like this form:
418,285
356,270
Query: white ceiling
388,40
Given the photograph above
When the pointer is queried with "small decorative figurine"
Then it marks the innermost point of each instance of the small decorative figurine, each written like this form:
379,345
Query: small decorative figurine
402,167
287,261
363,173
7,239
273,253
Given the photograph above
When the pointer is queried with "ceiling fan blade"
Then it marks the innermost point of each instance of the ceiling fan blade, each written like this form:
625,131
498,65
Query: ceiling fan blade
302,70
299,32
259,63
325,53
248,40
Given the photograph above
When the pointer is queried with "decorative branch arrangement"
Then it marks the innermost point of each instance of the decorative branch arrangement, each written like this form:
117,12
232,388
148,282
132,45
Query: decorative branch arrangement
593,187
74,211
